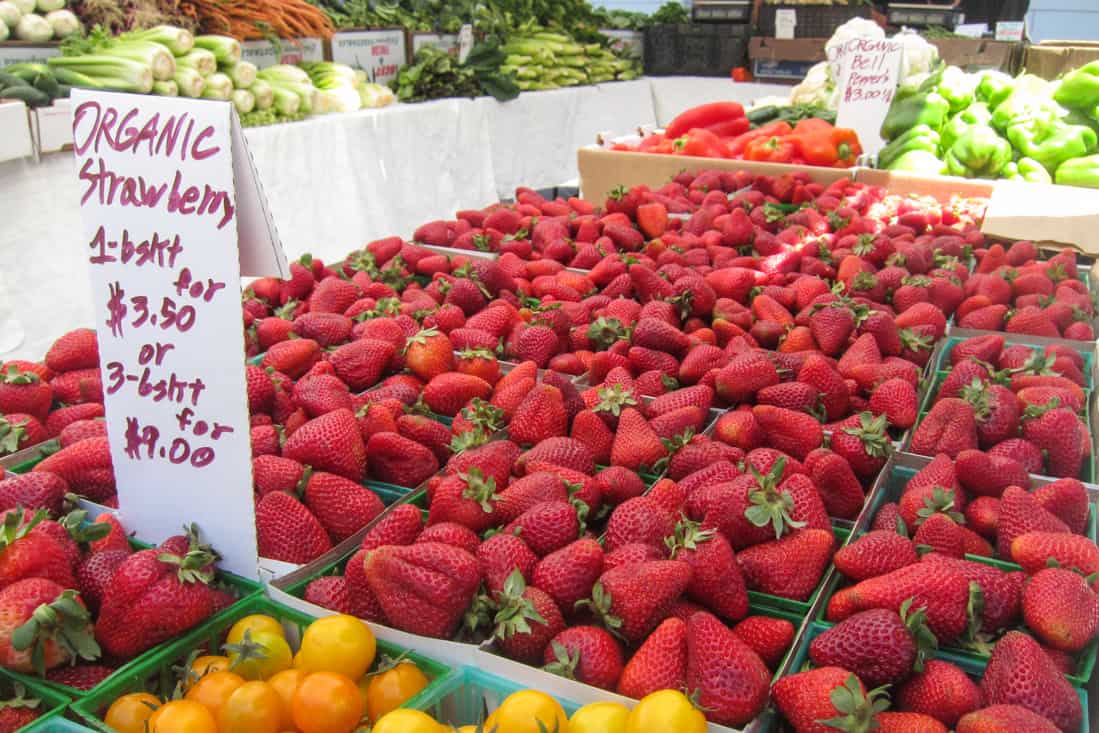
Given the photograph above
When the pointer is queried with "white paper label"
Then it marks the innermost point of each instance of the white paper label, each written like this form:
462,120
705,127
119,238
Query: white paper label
628,43
786,20
443,41
26,54
971,30
869,72
1009,30
465,42
266,53
381,54
159,208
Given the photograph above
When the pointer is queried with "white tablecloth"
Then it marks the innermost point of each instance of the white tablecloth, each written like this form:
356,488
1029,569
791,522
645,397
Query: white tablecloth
337,182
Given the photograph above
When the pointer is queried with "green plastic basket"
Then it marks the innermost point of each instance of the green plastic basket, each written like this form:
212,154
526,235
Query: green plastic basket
801,662
52,703
799,608
467,697
155,668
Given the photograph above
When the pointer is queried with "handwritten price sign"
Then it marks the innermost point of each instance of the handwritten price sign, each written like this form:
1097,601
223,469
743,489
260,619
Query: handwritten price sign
159,206
868,71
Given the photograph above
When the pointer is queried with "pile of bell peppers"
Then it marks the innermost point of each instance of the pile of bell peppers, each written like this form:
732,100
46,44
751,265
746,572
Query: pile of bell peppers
722,130
990,125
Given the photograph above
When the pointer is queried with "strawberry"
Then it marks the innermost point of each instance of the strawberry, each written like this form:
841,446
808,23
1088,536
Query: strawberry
448,392
36,490
320,394
1021,513
652,219
25,393
741,429
950,427
768,637
940,589
716,582
1034,550
1061,609
429,353
85,466
1000,590
79,430
331,592
397,460
155,595
897,400
659,663
332,295
638,519
862,441
331,442
564,452
362,363
632,599
875,553
797,396
547,526
889,519
423,588
77,349
526,621
1020,673
789,567
343,507
744,376
26,553
54,619
450,533
93,575
293,358
588,654
1005,719
539,416
1059,433
831,327
942,690
636,445
941,534
537,344
569,573
890,722
791,432
500,555
987,475
880,646
731,680
467,499
836,483
287,531
1067,499
810,701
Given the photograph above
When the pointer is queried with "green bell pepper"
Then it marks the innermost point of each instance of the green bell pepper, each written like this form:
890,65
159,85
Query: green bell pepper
957,88
978,153
1050,141
1030,97
977,113
1079,172
920,137
1010,171
1085,117
1079,89
920,109
994,87
921,162
1032,171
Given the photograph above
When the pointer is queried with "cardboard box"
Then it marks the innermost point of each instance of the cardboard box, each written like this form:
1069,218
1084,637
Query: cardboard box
973,54
15,130
784,58
601,170
1051,59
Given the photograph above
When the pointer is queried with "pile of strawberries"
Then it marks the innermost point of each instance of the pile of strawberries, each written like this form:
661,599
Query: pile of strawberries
77,601
1016,292
1022,404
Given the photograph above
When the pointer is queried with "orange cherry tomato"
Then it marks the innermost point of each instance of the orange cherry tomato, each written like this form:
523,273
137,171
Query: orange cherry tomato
128,713
326,702
254,707
182,716
388,690
286,683
213,690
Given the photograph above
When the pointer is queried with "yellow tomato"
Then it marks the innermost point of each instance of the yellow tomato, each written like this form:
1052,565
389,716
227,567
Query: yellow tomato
468,729
128,713
342,644
521,712
214,689
390,689
286,683
182,716
254,707
666,711
326,702
260,655
255,623
204,665
407,721
599,717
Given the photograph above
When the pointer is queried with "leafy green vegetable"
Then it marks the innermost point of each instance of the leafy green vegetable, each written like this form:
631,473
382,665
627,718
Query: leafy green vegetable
435,74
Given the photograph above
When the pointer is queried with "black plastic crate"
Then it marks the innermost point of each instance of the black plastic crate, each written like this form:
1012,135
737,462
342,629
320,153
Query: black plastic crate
814,21
695,49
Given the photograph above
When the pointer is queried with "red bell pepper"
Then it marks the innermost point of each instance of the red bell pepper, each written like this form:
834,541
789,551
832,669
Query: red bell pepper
704,115
771,150
730,128
701,143
774,129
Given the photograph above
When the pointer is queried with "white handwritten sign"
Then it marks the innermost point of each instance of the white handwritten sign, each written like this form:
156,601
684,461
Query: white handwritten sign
266,53
443,41
869,70
381,54
160,211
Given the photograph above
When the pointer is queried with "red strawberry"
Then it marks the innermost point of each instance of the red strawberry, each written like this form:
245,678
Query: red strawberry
331,442
768,637
451,533
636,445
569,573
836,483
547,526
588,654
1034,550
831,327
882,647
397,460
941,534
24,392
293,358
85,466
36,490
401,525
950,427
448,392
639,519
988,475
942,690
660,662
790,567
527,620
808,700
716,582
1005,719
536,343
286,530
875,553
26,553
744,376
502,554
1001,590
77,349
652,219
1068,500
343,507
731,680
429,353
1020,673
467,499
1021,513
1058,432
791,432
331,592
423,588
632,599
897,400
1061,609
820,373
862,441
539,416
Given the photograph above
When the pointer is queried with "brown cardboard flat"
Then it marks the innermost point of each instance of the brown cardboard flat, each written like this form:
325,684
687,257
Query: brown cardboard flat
1051,59
973,54
786,49
1044,212
601,171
